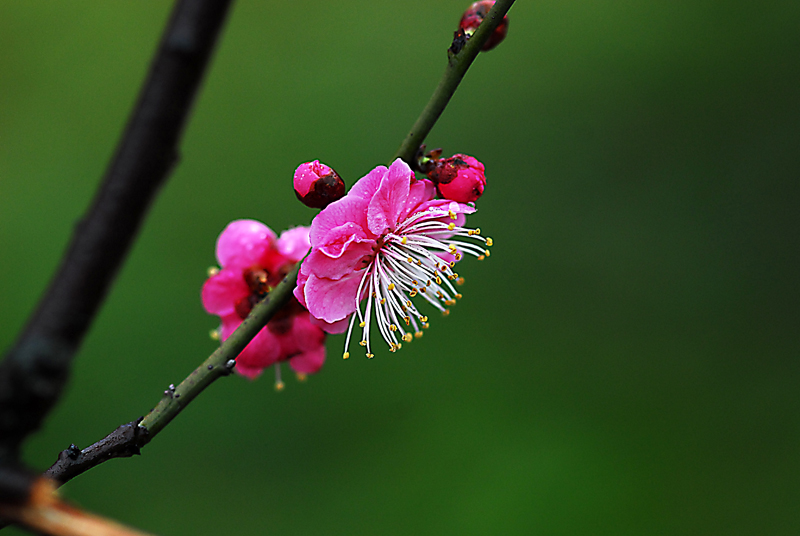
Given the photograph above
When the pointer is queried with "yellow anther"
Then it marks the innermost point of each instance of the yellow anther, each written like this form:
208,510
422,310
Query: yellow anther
452,264
362,324
459,296
450,302
399,345
446,312
301,377
390,287
460,281
423,319
393,327
362,343
346,355
374,295
408,303
487,252
455,274
418,334
404,240
419,262
413,292
212,271
470,233
407,337
279,386
489,242
383,301
451,214
438,280
422,289
478,231
214,334
452,248
426,325
451,226
407,320
370,356
414,282
410,259
392,347
458,256
481,257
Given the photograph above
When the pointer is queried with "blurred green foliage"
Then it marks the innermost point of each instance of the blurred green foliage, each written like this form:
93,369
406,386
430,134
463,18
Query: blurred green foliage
626,362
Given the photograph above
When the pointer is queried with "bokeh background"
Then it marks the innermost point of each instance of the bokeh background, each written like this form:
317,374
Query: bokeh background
626,362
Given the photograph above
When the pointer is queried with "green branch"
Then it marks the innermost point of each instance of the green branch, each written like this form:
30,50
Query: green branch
126,440
457,66
222,361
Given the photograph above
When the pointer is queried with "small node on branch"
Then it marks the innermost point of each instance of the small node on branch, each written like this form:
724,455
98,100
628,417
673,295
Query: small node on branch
459,41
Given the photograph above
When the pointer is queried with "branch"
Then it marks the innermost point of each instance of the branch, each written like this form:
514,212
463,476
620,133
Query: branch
457,65
126,440
44,512
36,369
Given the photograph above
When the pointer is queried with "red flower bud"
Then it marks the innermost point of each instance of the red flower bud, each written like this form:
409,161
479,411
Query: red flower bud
317,185
459,178
473,17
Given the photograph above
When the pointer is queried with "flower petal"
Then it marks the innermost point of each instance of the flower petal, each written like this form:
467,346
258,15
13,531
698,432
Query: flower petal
262,352
333,328
299,290
332,300
421,191
338,239
308,362
347,210
294,243
388,203
220,292
367,185
308,335
321,265
243,243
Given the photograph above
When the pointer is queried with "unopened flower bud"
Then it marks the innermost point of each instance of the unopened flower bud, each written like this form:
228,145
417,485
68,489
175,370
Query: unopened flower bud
317,185
459,178
473,17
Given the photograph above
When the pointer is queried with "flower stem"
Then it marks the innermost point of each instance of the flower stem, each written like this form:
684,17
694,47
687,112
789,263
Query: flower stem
457,66
126,440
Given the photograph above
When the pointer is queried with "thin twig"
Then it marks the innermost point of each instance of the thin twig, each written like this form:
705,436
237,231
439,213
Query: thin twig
45,513
37,367
126,440
457,66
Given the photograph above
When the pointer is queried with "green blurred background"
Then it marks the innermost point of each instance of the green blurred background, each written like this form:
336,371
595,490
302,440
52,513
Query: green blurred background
626,362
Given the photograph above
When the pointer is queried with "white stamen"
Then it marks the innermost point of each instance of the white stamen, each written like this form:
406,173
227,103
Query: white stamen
408,265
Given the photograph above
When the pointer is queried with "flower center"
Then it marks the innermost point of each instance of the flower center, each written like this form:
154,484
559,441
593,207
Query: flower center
415,259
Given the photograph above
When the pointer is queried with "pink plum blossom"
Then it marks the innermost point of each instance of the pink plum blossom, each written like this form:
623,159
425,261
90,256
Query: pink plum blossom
253,260
317,185
387,241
